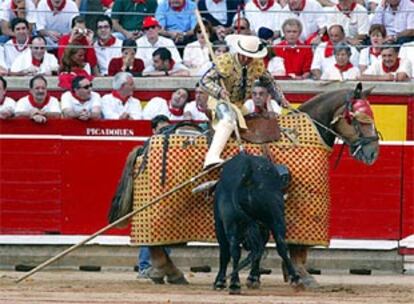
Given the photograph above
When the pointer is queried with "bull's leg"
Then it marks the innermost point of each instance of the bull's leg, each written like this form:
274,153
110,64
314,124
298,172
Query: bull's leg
235,252
256,244
163,266
220,281
299,254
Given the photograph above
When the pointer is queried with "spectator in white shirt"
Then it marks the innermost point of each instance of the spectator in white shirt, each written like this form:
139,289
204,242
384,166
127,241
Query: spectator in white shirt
261,101
196,53
11,9
81,103
7,105
120,104
264,13
38,105
371,54
343,68
164,65
398,18
390,68
151,41
37,61
197,109
407,53
173,108
107,46
19,44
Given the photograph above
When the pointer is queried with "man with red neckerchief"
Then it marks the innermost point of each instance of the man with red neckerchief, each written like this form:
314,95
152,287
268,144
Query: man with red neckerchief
54,18
342,69
173,108
164,65
297,56
264,13
389,68
38,105
120,104
16,8
354,19
19,44
107,46
81,103
197,109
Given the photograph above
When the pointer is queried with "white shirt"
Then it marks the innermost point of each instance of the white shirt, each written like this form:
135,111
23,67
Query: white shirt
70,102
196,114
24,62
159,106
356,24
258,18
113,108
24,105
276,66
311,22
366,58
12,51
60,22
272,106
104,54
407,53
376,69
334,74
176,67
217,10
320,62
7,14
195,57
8,103
402,20
145,49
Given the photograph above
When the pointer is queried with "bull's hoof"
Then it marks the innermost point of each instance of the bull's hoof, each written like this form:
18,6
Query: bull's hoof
220,285
235,289
178,281
309,282
298,284
156,276
253,282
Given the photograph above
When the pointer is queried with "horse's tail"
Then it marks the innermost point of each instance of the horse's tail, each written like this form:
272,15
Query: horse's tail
122,201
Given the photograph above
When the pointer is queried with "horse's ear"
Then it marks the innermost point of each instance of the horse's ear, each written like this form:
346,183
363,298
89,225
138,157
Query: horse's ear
367,92
358,91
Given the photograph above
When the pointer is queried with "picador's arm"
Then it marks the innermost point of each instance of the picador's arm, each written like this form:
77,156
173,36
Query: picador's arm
210,82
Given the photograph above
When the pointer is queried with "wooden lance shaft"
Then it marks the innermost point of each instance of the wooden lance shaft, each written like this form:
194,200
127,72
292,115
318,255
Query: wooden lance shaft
125,217
213,58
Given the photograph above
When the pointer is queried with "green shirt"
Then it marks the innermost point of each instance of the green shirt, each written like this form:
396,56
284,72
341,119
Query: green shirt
132,22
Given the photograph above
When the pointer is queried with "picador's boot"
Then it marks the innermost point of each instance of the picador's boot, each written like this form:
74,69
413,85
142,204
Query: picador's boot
222,134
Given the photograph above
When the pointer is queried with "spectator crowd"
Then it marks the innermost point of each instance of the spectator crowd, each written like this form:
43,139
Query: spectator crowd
334,40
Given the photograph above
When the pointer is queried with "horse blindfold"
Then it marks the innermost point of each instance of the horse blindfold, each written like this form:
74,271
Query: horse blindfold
361,111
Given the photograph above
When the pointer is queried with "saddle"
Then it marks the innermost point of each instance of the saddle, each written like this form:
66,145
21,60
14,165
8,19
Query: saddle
262,128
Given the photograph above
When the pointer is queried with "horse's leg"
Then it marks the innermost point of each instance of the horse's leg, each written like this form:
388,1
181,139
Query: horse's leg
162,266
299,254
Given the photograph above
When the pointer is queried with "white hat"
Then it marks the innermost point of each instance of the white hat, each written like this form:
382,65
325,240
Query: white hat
250,46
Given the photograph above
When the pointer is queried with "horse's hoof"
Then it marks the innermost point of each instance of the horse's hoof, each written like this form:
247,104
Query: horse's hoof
253,283
157,280
220,285
235,289
178,281
309,282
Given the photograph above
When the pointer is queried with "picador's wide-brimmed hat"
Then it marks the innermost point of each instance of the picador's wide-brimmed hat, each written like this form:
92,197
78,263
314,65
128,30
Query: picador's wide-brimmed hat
250,46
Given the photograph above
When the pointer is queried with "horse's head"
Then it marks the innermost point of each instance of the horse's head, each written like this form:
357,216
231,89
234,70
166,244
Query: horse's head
354,121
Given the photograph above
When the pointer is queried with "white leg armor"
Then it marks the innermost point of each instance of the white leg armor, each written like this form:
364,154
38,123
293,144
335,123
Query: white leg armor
223,130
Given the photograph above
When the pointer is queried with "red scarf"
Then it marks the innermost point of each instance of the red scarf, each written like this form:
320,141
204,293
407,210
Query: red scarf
372,52
78,98
346,12
139,1
110,42
175,111
180,8
260,110
13,5
171,65
217,1
38,105
344,68
18,47
393,68
329,49
121,98
301,7
57,9
36,62
266,7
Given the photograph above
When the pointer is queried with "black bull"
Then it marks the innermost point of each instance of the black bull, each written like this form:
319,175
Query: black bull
249,192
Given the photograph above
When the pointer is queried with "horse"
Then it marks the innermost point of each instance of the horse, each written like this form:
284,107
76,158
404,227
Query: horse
343,113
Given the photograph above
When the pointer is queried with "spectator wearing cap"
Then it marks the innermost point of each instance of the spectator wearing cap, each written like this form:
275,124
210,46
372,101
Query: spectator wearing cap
16,8
389,68
81,103
38,105
296,55
128,61
323,57
398,18
371,54
128,15
7,105
196,53
54,18
177,20
309,13
107,46
164,65
120,104
37,61
151,41
80,35
19,44
264,13
342,69
354,19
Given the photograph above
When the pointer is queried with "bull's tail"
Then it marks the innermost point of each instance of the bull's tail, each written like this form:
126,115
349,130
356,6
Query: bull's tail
122,201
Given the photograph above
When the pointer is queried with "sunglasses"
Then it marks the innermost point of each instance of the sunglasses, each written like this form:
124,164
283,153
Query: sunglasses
87,87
